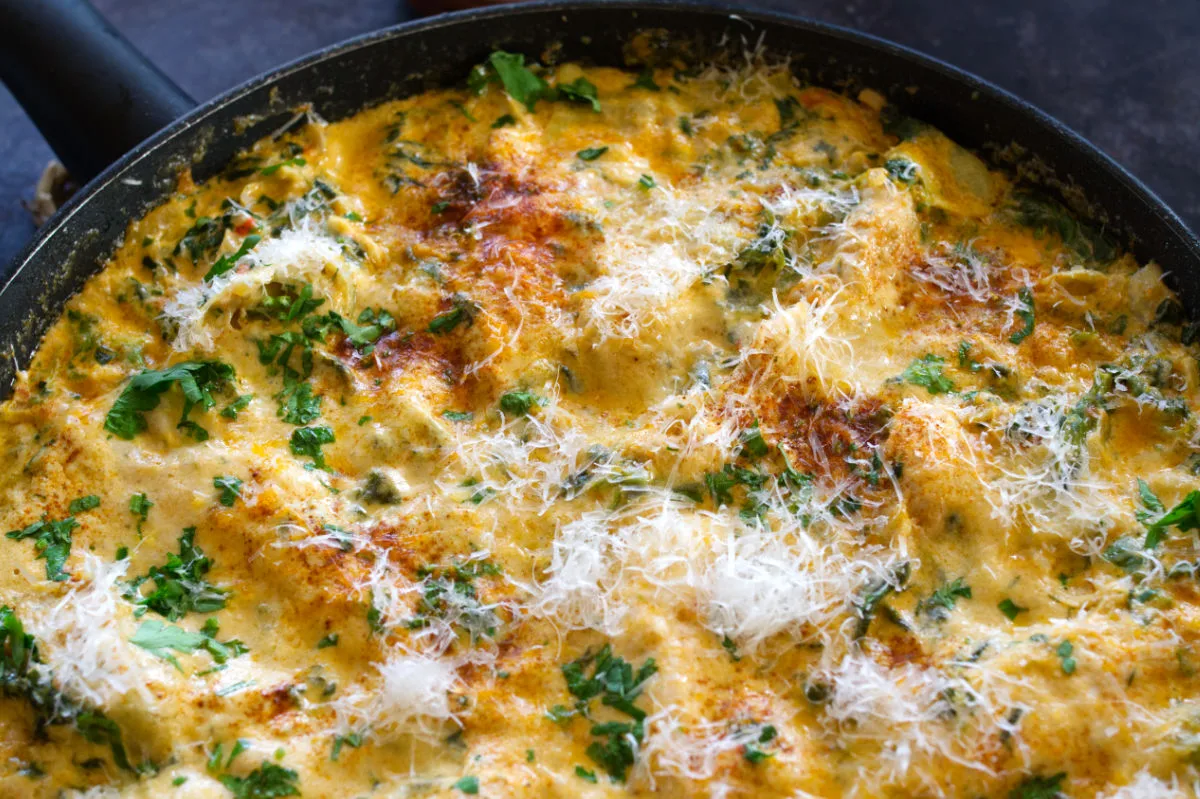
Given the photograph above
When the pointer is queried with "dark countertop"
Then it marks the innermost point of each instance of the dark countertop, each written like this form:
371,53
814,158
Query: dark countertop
1123,74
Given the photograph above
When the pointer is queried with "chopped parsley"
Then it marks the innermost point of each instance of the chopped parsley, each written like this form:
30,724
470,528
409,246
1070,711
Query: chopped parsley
196,379
450,593
353,740
52,539
618,685
526,86
521,83
753,443
1065,650
926,372
227,262
307,442
328,641
518,403
1039,787
943,600
468,785
180,585
273,168
901,170
753,750
268,781
874,592
1010,609
89,502
581,90
1184,517
139,506
645,80
462,312
230,488
646,182
159,639
240,404
300,406
591,153
1026,314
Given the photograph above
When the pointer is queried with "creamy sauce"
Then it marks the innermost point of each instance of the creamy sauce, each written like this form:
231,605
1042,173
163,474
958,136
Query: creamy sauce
832,436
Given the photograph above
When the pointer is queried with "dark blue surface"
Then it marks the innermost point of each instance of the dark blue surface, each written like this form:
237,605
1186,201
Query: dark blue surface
1124,75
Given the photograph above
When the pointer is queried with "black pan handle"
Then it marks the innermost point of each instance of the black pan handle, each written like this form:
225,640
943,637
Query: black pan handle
91,94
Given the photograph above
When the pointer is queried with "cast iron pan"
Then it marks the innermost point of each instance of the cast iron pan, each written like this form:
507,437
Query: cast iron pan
94,97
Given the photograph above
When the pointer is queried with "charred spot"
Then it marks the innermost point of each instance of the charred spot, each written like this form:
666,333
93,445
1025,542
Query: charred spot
458,193
902,649
825,438
403,351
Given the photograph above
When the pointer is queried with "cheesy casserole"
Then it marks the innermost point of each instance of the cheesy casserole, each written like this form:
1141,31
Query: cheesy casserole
589,432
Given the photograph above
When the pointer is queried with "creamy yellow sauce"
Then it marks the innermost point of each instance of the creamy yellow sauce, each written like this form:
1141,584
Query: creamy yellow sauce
820,441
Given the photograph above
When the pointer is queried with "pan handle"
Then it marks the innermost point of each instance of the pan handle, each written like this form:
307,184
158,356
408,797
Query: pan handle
90,93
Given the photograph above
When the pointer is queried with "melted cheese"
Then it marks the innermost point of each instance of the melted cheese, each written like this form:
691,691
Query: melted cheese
841,429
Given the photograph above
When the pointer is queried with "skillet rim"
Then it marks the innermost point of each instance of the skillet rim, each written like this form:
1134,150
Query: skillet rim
1019,109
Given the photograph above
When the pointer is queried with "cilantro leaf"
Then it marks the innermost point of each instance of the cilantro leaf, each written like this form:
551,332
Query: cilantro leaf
1010,609
90,502
581,90
230,488
1039,787
371,325
645,80
468,785
518,403
307,441
1185,516
944,599
232,410
1026,314
139,506
519,81
618,685
196,379
268,781
299,406
1065,650
51,543
463,312
591,153
160,639
180,585
926,372
228,262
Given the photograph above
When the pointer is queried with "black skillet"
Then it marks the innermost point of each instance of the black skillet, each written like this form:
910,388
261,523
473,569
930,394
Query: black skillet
94,97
